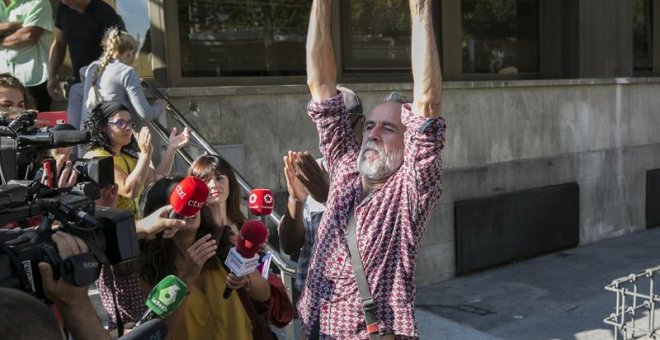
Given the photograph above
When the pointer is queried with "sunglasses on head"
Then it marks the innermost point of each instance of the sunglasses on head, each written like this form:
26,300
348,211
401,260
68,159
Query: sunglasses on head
123,124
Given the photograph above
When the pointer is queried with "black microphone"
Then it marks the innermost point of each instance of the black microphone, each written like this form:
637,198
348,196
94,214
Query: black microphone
53,139
155,329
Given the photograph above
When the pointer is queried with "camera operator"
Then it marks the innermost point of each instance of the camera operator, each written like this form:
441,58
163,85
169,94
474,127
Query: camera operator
77,310
19,309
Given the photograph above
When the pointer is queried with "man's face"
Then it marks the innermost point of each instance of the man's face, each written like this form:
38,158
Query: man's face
382,144
11,101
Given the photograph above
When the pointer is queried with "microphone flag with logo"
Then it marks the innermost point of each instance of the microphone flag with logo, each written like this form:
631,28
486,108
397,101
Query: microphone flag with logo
243,259
164,298
261,201
188,197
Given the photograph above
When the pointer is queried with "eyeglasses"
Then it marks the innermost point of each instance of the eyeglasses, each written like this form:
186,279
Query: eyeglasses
123,124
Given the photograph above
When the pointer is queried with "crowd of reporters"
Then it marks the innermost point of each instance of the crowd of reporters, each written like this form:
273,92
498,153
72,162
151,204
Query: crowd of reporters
192,248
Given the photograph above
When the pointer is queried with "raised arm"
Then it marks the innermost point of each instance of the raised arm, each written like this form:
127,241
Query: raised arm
321,65
425,61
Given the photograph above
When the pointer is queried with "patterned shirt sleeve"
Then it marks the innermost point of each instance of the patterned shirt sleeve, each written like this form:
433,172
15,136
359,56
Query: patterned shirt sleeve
424,141
336,138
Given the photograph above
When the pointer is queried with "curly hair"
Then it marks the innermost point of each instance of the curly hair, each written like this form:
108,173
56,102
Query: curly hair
114,41
157,256
97,125
206,167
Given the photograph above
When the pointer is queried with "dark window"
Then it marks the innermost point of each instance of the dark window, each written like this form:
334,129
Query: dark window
642,35
500,36
225,38
376,35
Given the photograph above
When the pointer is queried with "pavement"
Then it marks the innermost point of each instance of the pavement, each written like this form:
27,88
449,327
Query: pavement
556,296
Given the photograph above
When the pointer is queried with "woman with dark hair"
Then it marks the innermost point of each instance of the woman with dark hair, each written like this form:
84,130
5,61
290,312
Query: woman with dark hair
195,254
224,191
14,97
112,129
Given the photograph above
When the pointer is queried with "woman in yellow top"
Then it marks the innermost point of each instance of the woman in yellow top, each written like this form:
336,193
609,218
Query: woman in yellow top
195,254
112,130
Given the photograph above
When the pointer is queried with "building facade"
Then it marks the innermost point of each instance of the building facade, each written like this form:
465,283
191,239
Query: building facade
553,107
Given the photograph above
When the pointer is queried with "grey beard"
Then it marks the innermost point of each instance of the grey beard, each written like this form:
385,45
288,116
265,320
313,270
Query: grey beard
381,168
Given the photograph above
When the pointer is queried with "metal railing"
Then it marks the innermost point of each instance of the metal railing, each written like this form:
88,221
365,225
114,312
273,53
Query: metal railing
636,303
287,269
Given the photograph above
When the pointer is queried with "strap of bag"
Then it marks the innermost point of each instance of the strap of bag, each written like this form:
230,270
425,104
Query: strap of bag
368,305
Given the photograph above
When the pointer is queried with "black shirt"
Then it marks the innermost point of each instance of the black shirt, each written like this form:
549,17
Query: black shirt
83,32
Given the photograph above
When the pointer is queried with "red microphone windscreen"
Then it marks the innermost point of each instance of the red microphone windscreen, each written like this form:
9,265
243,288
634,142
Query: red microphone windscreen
189,196
252,237
260,202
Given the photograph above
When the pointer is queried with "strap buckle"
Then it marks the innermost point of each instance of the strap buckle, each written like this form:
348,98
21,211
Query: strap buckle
369,309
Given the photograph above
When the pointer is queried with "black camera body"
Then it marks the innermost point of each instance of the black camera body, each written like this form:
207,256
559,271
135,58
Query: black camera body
23,145
110,234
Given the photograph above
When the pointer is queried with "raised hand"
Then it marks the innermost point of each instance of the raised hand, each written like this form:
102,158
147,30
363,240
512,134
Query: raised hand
180,140
295,187
312,176
195,257
144,141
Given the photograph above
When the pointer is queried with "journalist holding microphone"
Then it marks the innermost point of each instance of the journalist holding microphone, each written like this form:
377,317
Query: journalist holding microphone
195,254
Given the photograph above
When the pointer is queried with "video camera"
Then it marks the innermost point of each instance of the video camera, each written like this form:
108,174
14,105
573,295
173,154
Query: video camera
110,234
21,143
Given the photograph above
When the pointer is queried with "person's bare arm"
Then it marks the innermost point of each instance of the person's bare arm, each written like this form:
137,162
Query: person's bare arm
158,221
321,65
7,28
77,310
55,59
24,36
176,142
425,62
131,185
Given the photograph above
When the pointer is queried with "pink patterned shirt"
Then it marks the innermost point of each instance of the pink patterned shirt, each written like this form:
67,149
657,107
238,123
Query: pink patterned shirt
391,223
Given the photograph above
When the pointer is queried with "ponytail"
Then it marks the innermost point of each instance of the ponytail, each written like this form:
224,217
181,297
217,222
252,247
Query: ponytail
114,42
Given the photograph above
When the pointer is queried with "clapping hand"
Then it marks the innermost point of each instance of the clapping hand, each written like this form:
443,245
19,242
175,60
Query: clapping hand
296,189
180,140
312,176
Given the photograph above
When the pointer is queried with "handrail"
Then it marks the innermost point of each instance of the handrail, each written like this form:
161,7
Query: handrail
284,266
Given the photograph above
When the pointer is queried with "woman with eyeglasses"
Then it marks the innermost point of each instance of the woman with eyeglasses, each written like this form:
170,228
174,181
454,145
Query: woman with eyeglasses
112,130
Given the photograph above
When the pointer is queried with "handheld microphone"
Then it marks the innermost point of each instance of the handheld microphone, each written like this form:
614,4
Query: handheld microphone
164,298
188,197
155,329
243,259
261,202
